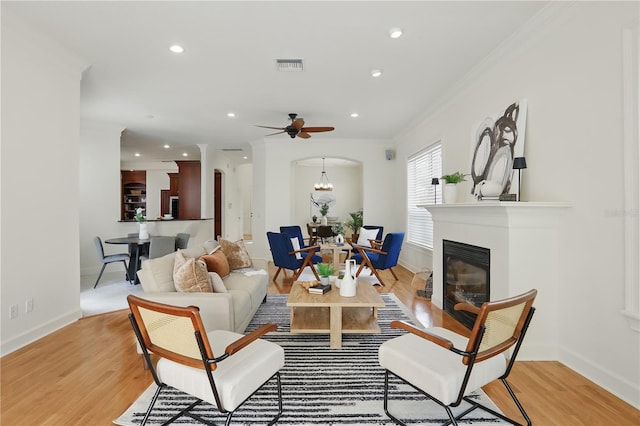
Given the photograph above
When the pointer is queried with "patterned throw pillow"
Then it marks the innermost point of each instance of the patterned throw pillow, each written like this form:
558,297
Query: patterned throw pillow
216,262
191,275
236,253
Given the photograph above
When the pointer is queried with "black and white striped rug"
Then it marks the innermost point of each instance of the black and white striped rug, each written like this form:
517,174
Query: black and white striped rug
320,385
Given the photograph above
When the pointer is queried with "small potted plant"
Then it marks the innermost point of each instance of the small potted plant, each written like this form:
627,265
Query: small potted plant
354,223
450,189
325,270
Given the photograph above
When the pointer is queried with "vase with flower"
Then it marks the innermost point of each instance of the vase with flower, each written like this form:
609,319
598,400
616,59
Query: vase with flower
143,233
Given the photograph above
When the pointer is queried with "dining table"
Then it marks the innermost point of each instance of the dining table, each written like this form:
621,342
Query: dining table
136,246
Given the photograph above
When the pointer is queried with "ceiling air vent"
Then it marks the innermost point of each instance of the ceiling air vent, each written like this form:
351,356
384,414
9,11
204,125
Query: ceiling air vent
289,64
232,149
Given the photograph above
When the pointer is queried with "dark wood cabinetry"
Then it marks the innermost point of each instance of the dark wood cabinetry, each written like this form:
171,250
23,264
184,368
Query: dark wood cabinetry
189,189
133,193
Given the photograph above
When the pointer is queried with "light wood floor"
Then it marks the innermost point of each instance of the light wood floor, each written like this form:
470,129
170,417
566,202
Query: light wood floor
88,373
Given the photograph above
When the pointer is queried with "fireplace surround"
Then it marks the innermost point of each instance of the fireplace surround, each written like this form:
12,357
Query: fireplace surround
466,278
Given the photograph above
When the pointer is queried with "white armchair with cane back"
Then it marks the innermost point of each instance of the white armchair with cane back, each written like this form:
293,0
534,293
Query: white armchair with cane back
220,367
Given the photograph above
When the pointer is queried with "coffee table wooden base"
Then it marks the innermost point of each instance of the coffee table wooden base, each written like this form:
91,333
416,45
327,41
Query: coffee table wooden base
333,314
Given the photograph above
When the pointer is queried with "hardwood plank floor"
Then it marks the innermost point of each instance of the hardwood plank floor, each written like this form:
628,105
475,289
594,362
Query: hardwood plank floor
88,373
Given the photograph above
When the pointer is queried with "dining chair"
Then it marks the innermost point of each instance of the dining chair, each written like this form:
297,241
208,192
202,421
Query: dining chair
182,240
160,246
325,233
111,258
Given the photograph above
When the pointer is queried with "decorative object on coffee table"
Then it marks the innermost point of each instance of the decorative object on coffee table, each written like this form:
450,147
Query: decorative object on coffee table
325,270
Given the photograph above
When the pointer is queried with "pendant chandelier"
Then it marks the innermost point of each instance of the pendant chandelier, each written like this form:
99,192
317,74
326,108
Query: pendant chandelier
323,184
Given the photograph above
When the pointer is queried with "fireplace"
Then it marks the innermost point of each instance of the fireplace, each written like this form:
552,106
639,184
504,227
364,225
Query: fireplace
465,278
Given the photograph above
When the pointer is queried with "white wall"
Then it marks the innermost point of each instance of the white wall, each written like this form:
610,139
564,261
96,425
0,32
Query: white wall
273,183
40,205
568,65
347,190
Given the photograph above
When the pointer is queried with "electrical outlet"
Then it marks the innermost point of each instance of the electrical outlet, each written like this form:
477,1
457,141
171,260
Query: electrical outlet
28,305
14,311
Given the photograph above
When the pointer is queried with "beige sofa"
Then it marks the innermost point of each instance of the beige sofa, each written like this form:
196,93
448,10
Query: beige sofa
246,290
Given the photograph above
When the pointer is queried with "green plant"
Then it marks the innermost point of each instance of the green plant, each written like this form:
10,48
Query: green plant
338,228
324,209
325,269
456,177
139,217
355,223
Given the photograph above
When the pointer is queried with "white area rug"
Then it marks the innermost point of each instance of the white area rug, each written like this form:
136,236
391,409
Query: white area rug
110,295
320,385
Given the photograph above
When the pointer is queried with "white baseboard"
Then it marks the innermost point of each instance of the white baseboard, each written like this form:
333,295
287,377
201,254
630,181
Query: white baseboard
611,382
39,332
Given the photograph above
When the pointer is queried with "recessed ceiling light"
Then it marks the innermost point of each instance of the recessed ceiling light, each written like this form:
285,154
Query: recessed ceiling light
245,157
137,154
184,154
395,32
166,146
376,73
176,48
231,114
354,115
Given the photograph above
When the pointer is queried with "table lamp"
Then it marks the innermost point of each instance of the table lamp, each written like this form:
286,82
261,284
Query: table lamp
435,181
519,163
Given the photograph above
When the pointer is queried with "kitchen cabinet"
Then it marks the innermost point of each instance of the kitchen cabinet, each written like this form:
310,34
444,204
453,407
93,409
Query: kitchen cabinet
133,193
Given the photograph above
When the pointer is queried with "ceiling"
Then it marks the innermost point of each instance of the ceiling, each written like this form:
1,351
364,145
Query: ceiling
228,65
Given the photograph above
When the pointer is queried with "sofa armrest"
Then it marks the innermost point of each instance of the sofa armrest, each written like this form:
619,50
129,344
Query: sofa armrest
216,309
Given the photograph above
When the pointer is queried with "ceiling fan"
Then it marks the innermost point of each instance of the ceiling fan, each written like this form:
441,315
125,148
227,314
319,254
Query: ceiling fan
296,128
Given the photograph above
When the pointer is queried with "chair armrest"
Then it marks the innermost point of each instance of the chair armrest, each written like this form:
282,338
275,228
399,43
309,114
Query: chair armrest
376,244
311,249
362,249
447,344
254,335
466,307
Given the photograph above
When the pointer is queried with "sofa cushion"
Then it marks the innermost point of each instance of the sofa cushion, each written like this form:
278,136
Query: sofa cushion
191,275
157,274
217,283
217,262
253,285
236,253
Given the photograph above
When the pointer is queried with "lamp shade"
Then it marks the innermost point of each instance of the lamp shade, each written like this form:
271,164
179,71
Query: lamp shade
519,163
435,181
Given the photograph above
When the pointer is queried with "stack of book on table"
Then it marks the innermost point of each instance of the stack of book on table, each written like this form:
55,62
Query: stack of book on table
319,288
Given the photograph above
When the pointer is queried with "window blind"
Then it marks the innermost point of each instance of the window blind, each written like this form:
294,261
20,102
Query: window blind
421,168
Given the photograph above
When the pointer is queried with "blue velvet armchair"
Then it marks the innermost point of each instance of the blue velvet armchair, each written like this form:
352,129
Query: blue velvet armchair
294,231
380,258
285,257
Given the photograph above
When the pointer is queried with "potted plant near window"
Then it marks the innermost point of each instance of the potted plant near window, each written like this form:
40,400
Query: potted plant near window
354,223
450,188
325,270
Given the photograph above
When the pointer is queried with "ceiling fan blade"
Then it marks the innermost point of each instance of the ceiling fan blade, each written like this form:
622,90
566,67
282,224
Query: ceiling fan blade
317,129
304,135
276,133
298,123
269,127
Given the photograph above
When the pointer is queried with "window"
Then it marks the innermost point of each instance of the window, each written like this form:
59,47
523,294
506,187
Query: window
421,168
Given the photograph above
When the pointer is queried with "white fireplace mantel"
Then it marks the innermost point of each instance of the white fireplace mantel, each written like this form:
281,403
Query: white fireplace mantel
524,241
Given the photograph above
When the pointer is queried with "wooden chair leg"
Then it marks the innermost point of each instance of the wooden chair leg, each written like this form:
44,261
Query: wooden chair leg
375,271
393,273
276,275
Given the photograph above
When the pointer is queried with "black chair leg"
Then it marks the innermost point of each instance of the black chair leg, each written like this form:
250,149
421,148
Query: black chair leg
100,275
126,270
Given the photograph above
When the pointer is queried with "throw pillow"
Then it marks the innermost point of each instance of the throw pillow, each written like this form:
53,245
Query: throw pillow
217,283
236,253
191,275
295,242
216,262
366,235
